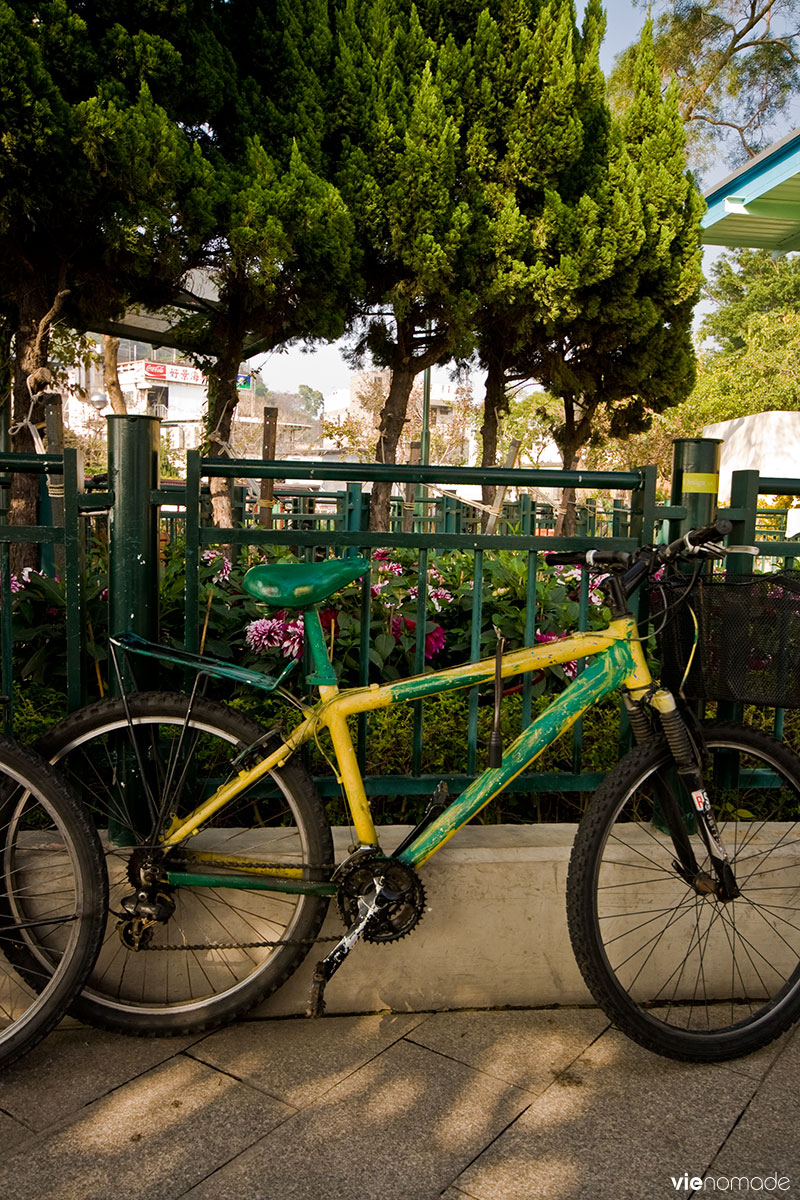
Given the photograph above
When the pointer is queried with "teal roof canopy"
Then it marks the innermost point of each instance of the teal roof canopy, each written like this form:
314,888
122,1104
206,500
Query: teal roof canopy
758,205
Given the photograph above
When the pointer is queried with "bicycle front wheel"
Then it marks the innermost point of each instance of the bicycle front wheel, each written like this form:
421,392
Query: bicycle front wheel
221,949
684,974
52,899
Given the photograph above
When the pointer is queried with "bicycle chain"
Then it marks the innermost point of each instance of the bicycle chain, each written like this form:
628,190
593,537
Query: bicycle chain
243,864
246,945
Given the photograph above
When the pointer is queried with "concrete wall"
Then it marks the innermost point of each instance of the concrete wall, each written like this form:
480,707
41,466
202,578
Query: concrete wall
768,442
495,935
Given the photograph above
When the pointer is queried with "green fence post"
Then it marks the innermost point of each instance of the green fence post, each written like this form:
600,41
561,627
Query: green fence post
73,571
133,446
743,513
642,516
194,501
695,482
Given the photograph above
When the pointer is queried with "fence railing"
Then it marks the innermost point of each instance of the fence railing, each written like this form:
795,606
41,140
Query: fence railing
140,514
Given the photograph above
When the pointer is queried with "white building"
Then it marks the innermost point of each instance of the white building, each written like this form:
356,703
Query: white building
173,391
767,442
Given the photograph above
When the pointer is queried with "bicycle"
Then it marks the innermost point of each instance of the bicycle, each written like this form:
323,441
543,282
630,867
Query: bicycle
53,899
219,854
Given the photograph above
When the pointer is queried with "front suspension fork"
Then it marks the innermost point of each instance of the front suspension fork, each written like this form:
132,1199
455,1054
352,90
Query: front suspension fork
689,770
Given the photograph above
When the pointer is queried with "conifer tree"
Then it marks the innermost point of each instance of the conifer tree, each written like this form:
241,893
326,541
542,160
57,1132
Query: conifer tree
538,138
280,258
94,174
627,346
401,172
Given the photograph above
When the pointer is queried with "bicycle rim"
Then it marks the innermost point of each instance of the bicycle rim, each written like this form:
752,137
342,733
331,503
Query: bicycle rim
204,964
51,900
686,974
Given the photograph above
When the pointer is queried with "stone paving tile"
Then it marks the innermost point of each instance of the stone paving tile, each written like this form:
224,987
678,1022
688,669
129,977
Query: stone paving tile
299,1060
74,1066
524,1048
150,1140
13,1135
766,1141
401,1128
617,1124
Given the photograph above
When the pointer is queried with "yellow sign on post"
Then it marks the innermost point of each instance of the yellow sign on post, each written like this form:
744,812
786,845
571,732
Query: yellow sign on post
695,482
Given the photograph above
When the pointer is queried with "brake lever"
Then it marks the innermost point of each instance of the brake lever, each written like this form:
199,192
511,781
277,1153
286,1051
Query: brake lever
714,550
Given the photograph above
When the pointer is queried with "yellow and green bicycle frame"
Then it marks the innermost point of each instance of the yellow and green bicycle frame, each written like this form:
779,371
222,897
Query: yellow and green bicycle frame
614,659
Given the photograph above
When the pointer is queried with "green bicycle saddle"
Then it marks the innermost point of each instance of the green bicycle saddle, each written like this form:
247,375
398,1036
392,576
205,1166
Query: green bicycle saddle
298,585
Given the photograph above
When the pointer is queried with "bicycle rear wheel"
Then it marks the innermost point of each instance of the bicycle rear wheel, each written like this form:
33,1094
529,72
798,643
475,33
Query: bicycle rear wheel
52,899
222,949
684,974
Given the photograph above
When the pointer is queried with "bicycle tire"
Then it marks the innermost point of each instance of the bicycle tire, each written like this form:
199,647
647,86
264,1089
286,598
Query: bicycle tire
52,899
181,990
688,976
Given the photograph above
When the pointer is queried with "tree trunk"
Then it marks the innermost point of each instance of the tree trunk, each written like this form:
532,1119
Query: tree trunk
494,405
111,375
35,319
222,400
567,519
6,383
574,436
393,418
430,348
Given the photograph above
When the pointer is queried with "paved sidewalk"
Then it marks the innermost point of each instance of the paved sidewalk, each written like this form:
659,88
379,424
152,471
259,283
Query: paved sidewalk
465,1105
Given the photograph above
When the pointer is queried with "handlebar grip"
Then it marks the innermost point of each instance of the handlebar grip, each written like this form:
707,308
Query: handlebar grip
592,558
709,533
565,558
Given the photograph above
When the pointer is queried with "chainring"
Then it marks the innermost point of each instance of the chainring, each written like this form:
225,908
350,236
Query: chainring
406,905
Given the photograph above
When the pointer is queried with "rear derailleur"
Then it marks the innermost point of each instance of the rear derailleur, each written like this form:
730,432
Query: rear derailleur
151,904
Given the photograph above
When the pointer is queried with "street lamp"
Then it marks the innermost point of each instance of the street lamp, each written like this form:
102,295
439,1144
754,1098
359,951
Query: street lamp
98,400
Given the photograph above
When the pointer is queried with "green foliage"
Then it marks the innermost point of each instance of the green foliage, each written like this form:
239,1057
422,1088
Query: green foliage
399,140
745,284
97,170
36,709
762,376
626,347
735,65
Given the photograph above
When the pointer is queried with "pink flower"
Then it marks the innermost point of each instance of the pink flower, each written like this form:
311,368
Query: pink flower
327,617
434,641
15,584
265,634
390,568
292,645
440,596
217,558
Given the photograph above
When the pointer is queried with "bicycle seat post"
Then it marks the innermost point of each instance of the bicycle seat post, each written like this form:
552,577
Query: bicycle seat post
323,674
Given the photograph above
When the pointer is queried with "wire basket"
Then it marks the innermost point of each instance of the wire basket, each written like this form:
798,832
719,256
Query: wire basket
749,638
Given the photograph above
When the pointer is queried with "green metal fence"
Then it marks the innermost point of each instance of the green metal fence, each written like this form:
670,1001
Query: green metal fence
429,533
139,512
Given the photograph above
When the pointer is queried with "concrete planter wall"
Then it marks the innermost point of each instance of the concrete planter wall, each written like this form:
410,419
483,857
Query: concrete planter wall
495,934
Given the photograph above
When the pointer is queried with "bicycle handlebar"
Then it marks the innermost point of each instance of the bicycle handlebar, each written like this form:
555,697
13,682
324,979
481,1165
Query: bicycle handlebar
689,545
